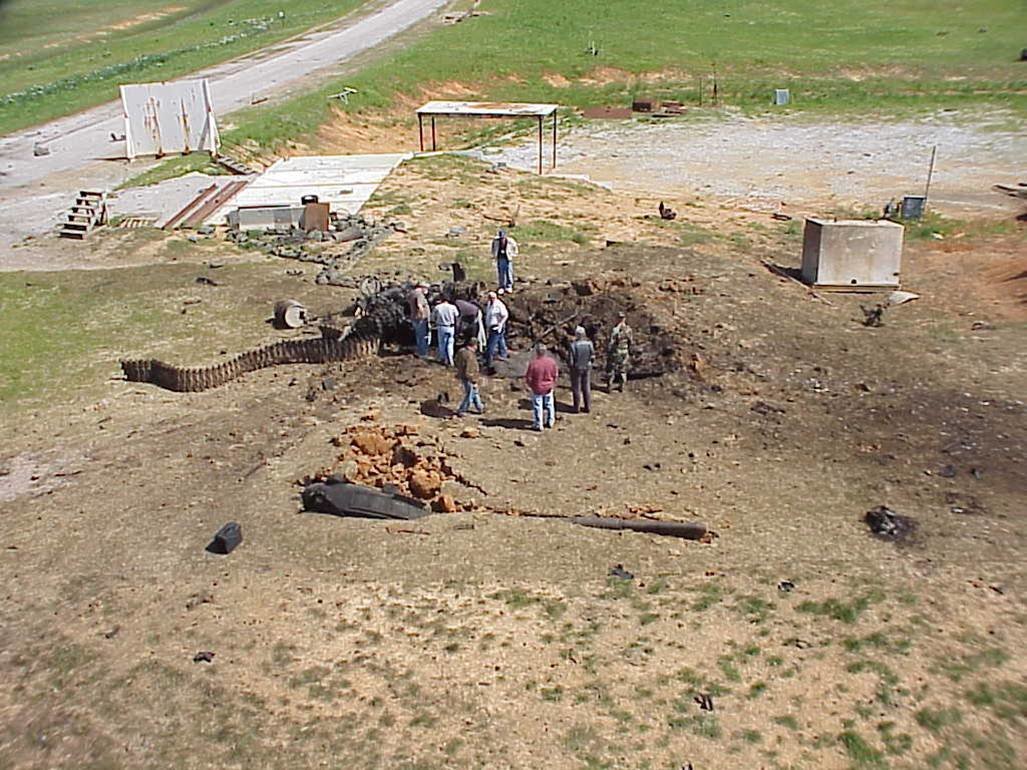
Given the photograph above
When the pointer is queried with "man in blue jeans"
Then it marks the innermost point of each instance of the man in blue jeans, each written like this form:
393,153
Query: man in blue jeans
467,372
541,379
496,316
419,311
504,249
443,321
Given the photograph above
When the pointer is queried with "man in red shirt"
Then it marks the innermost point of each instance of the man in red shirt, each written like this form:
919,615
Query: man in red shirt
541,379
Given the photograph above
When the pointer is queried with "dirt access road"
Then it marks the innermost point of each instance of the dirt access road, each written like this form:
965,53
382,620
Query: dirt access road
34,191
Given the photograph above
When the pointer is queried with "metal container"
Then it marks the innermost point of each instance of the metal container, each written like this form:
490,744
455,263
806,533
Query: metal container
781,96
913,206
290,314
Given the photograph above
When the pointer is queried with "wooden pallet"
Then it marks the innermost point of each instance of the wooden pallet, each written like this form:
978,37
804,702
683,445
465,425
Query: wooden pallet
88,213
131,223
235,166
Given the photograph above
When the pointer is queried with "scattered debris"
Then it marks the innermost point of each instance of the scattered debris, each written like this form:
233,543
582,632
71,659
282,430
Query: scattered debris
226,539
689,530
901,297
237,167
344,95
349,239
873,316
289,314
887,524
133,223
357,500
705,702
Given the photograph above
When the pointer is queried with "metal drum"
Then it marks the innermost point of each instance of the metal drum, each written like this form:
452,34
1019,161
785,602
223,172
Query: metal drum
290,314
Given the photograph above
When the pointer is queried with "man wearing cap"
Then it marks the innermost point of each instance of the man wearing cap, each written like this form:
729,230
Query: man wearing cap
443,321
618,353
496,316
504,249
417,299
541,379
580,356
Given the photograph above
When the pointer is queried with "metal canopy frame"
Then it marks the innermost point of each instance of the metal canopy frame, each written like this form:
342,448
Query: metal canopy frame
491,110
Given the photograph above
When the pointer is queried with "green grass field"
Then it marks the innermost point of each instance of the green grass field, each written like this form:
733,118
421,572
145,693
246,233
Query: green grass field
888,58
61,56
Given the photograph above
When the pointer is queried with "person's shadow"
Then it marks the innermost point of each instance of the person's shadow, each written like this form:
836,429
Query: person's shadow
433,407
561,407
511,423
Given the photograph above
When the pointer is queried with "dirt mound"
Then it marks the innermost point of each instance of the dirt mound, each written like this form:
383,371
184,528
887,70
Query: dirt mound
550,314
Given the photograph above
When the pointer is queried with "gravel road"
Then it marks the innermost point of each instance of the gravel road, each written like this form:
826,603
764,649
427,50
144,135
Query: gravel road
796,164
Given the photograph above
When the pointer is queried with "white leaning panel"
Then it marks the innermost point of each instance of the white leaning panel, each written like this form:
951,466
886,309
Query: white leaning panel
163,118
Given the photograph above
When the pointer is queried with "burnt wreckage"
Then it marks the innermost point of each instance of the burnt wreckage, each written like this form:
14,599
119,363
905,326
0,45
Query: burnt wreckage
381,317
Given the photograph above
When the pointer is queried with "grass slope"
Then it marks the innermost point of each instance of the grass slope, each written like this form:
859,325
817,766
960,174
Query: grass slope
851,55
58,56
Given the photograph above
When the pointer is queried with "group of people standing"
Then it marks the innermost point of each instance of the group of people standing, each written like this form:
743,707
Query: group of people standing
543,372
460,318
484,329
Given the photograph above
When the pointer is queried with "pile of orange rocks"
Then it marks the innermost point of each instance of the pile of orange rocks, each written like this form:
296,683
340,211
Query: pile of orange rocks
379,455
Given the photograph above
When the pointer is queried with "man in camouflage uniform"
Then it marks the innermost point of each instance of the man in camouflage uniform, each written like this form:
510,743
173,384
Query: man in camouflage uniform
618,354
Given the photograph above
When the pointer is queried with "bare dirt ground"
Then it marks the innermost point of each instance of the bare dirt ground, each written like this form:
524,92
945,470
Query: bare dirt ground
478,639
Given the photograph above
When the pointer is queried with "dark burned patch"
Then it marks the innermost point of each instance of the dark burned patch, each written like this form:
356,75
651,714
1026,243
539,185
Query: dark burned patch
885,524
549,315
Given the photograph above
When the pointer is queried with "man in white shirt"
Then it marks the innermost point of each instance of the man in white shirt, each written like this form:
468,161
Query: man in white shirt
443,322
504,249
496,317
